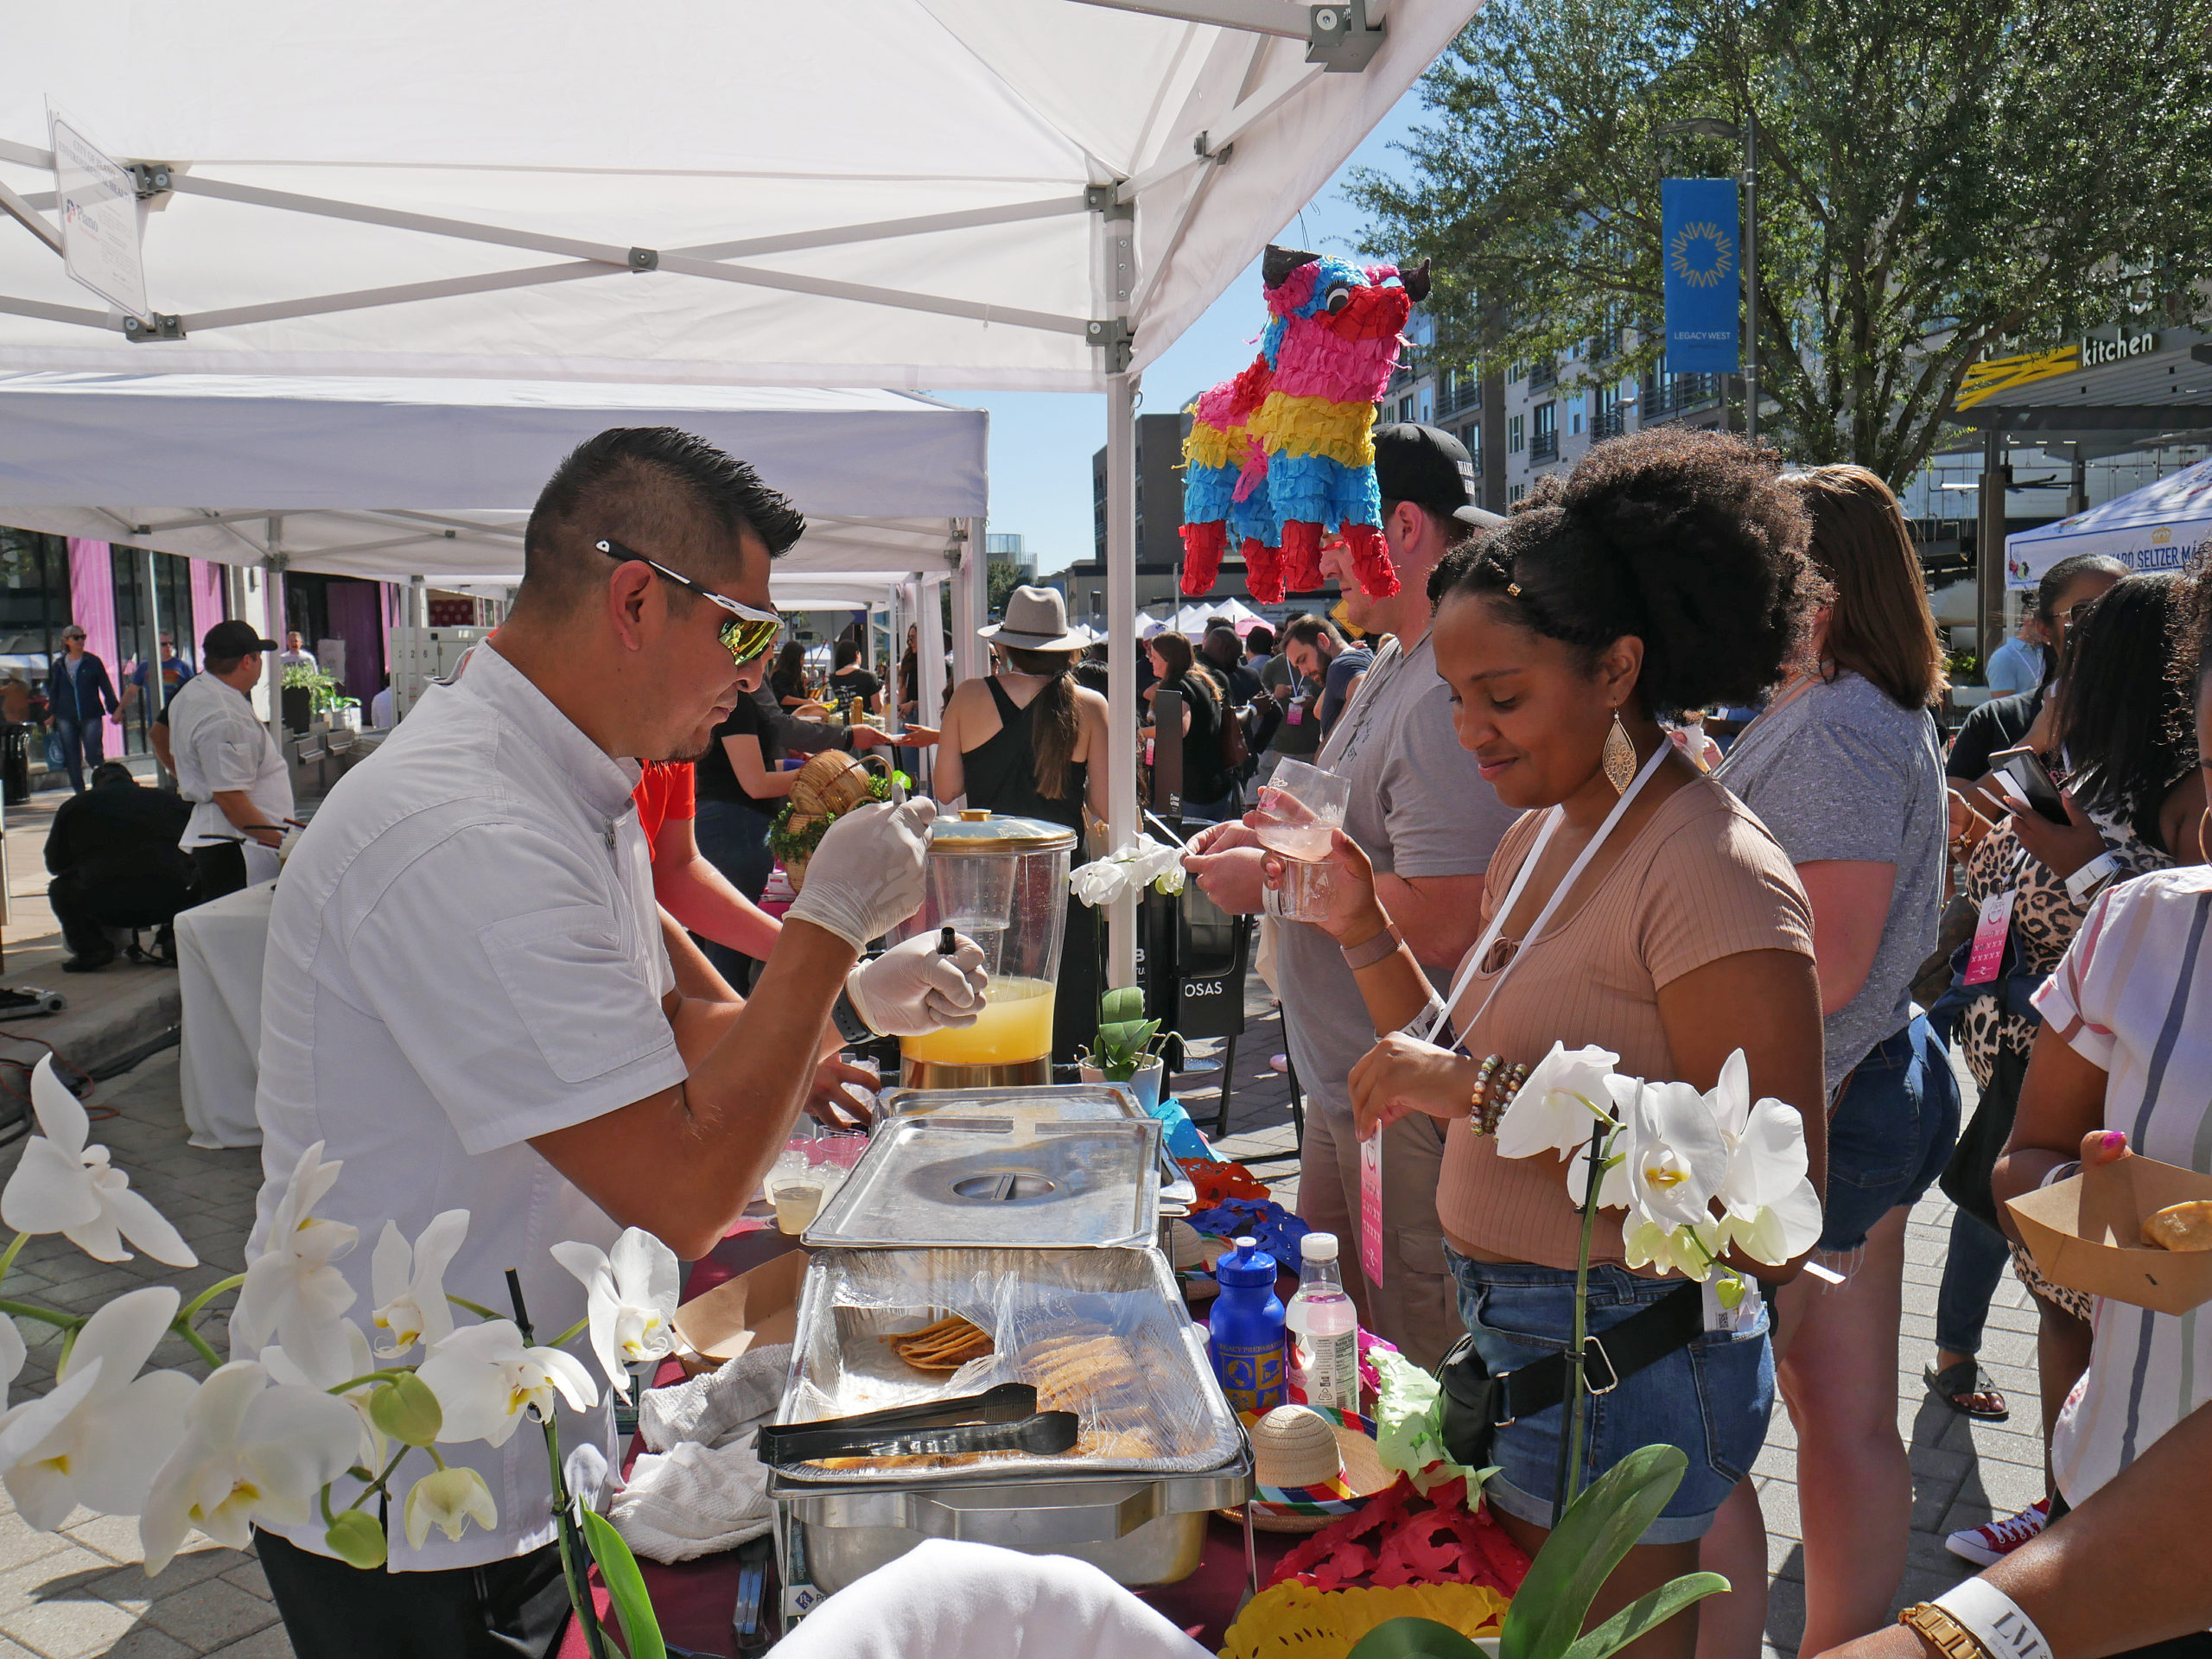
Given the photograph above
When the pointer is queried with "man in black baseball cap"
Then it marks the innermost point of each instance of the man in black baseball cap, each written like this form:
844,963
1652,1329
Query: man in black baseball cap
227,764
1431,468
227,641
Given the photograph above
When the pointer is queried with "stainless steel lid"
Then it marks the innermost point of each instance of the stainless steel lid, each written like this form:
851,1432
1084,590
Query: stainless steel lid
997,1180
1069,1102
973,832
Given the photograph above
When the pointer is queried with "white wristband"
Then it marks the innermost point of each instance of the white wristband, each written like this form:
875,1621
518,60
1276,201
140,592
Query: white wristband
1995,1620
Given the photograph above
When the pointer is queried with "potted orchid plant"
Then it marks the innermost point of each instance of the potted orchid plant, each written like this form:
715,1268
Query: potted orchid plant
309,1408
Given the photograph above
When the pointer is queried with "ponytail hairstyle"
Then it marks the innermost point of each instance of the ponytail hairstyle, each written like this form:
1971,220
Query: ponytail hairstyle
1055,725
1690,541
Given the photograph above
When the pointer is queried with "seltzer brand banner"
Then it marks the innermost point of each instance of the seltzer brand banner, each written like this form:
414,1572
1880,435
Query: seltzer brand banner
1701,251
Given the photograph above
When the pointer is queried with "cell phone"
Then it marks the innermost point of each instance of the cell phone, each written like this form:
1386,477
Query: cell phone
2022,776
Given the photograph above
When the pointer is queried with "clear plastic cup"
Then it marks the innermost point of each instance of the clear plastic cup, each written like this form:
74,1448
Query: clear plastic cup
1300,808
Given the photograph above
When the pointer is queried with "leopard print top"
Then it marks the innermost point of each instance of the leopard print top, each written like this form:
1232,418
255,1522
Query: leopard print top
2045,917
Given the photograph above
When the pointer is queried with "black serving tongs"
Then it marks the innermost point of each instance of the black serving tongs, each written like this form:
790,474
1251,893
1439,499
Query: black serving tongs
1003,1419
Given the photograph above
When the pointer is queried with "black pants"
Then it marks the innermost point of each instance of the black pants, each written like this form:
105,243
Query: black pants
221,869
516,1609
113,893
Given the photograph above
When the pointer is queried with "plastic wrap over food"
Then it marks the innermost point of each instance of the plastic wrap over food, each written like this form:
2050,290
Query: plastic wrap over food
1101,1333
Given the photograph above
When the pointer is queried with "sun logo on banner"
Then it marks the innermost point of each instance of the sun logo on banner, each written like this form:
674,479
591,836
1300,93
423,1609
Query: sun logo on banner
1702,254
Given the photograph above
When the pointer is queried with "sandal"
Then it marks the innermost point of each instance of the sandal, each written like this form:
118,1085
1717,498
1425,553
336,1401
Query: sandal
1958,1386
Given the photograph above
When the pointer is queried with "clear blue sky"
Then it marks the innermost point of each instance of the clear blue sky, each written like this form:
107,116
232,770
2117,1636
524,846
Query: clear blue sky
1042,441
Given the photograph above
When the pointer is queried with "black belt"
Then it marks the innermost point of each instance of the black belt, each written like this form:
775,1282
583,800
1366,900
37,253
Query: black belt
1476,1402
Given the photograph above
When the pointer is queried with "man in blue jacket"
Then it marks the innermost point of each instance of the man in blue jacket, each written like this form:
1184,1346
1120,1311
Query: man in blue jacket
79,697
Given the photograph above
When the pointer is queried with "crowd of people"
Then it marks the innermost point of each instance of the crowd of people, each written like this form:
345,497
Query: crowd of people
1541,847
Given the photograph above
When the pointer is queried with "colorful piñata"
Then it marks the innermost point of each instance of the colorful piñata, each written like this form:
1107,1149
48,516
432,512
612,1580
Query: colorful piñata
1282,451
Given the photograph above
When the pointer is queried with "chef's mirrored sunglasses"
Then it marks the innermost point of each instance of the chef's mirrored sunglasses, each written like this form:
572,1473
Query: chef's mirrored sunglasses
745,636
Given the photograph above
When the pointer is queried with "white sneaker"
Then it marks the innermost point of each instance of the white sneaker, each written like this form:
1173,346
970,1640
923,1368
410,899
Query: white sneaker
1985,1546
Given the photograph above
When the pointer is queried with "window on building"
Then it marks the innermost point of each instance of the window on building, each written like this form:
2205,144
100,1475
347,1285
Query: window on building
1514,492
1516,434
1574,417
34,599
1427,408
1406,407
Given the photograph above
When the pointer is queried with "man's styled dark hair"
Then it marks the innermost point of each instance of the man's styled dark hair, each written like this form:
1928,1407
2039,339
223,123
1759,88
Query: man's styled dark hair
1308,629
660,491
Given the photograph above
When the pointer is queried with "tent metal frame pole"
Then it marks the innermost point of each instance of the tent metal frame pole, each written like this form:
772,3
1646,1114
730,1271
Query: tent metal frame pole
1989,544
272,579
1120,662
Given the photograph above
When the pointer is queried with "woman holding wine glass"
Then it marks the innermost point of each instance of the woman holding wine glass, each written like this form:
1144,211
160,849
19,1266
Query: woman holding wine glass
1636,906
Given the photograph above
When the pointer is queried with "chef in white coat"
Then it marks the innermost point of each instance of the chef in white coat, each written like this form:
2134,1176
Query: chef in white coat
227,764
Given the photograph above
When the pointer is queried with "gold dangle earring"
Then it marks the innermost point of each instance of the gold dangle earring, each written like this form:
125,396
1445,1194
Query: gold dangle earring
1619,757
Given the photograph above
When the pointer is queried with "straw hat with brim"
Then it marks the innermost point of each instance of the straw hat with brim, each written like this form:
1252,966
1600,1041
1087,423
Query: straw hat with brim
1036,619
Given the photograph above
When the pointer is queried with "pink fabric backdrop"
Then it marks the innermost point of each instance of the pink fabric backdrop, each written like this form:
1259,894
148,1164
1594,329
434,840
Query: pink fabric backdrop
206,605
91,606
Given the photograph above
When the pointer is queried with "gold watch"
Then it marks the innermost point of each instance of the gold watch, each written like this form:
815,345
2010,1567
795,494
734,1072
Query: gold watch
1943,1632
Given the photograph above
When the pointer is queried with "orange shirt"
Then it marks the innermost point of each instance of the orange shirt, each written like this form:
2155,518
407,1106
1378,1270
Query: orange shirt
666,791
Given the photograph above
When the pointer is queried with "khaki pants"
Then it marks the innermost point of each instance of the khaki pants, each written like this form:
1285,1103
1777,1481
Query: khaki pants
1417,1305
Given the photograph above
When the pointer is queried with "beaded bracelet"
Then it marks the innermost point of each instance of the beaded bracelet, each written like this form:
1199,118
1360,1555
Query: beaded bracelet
1495,1083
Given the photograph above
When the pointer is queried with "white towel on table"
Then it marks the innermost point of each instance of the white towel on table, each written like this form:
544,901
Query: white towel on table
718,1405
696,1500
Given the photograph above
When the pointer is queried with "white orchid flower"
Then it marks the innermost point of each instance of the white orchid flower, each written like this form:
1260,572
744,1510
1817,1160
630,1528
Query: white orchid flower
342,1363
102,1451
1141,860
409,1285
1612,1187
449,1499
485,1382
1773,1213
251,1453
292,1294
1099,882
1676,1159
1690,1251
585,1474
629,1297
1558,1104
63,1185
12,1354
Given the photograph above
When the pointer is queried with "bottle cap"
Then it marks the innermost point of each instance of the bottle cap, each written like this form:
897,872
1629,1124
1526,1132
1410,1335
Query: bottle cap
1318,1247
1246,1266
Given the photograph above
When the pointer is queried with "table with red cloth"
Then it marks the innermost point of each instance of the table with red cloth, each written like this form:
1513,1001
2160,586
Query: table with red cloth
694,1600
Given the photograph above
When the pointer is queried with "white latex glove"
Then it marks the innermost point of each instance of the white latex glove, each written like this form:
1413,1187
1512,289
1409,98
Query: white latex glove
865,875
909,988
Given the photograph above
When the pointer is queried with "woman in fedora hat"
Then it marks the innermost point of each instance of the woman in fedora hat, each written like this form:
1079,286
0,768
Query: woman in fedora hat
1021,742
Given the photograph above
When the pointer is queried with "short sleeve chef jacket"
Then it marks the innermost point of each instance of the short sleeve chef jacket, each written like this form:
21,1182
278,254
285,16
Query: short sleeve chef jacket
220,745
465,952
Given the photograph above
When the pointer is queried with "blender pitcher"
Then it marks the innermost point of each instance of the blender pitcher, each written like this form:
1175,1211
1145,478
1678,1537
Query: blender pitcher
1003,881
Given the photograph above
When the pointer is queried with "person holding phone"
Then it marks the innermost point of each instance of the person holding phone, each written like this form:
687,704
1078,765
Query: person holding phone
2132,797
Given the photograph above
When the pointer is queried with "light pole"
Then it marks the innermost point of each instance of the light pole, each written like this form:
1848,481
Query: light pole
1705,126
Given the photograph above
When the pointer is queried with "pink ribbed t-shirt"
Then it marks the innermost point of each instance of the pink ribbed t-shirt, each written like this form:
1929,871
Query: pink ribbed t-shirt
1703,879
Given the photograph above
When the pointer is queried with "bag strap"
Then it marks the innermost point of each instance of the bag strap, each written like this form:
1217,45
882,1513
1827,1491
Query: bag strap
1643,1339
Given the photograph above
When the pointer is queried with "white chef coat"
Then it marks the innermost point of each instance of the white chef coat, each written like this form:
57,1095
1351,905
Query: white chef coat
380,715
465,952
220,744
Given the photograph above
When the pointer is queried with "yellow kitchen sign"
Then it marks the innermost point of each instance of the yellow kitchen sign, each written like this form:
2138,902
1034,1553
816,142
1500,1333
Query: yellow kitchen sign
1985,380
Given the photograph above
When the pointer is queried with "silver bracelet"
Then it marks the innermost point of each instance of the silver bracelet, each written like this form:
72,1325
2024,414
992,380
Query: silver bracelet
1995,1620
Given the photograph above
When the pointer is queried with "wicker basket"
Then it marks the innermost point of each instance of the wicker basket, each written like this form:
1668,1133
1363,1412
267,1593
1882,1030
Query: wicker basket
1293,1620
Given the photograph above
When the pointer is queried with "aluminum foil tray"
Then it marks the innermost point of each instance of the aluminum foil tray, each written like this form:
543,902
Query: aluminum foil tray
1173,1419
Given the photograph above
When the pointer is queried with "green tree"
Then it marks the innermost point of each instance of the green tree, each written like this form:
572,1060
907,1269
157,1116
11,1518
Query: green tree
1936,178
1001,578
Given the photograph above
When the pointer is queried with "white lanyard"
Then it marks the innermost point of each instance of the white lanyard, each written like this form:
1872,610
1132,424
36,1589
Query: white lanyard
1552,821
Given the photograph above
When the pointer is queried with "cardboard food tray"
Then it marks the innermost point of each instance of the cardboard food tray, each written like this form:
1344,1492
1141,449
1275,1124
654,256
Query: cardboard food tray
2085,1233
756,1309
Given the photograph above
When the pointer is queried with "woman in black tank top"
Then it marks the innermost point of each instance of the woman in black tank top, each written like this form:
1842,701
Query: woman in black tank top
1029,742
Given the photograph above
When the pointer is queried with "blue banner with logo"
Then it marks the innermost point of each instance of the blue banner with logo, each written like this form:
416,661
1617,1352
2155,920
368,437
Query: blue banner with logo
1701,250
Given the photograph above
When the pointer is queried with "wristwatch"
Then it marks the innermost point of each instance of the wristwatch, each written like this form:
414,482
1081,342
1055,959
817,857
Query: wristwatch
1943,1632
2085,882
847,1020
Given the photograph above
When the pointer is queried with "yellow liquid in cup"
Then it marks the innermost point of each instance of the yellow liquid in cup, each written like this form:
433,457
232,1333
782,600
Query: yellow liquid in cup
1015,1025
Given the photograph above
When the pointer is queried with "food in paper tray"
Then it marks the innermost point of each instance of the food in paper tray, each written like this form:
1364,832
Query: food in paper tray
2184,1226
945,1347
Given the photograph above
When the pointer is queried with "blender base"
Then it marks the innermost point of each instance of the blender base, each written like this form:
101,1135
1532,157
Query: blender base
939,1074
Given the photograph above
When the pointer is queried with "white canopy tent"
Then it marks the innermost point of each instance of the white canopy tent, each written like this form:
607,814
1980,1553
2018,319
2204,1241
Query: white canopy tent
941,193
2159,527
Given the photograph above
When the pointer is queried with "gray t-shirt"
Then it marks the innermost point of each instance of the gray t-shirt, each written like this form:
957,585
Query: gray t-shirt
1419,808
1841,771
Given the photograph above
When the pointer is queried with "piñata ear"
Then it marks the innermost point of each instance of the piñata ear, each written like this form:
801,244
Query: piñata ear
1415,282
1277,263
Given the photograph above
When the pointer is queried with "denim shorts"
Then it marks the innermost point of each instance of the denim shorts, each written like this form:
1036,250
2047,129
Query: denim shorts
1890,1133
1712,1399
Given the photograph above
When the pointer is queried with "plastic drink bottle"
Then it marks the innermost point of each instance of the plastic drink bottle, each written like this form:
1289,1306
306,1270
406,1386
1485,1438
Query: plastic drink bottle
1245,1329
1324,1329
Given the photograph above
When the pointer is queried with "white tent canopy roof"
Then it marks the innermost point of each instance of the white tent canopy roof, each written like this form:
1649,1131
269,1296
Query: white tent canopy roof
386,477
2159,527
904,192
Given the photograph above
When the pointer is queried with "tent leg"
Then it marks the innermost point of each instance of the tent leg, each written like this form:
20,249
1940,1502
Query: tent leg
272,580
968,592
1122,661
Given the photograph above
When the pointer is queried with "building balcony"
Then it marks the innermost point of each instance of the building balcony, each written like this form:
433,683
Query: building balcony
1460,392
1608,423
1666,396
1542,374
1543,447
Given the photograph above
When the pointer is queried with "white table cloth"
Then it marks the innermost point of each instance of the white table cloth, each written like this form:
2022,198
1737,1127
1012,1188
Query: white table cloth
220,946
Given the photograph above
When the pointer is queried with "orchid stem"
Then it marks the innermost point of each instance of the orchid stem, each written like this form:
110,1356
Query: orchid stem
1570,1467
192,1308
377,1484
32,1311
14,1249
351,1383
575,1559
477,1308
199,1342
572,1333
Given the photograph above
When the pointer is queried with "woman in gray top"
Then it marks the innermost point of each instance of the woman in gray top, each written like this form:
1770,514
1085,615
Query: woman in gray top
1842,767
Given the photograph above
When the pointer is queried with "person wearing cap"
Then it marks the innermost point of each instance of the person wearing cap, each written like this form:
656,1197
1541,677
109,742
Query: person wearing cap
227,764
1030,742
1421,812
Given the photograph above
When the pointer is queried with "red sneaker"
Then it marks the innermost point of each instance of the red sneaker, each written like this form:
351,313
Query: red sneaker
1985,1546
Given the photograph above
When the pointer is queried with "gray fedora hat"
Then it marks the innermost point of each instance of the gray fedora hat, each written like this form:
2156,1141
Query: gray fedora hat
1036,619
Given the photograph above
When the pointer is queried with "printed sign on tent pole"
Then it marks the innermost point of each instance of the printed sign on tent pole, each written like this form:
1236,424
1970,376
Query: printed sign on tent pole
97,203
1701,251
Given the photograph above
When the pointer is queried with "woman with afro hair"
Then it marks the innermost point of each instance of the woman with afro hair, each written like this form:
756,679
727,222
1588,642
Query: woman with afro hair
1668,572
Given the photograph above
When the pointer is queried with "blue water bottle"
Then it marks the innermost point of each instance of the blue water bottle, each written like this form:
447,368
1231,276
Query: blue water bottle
1247,1329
